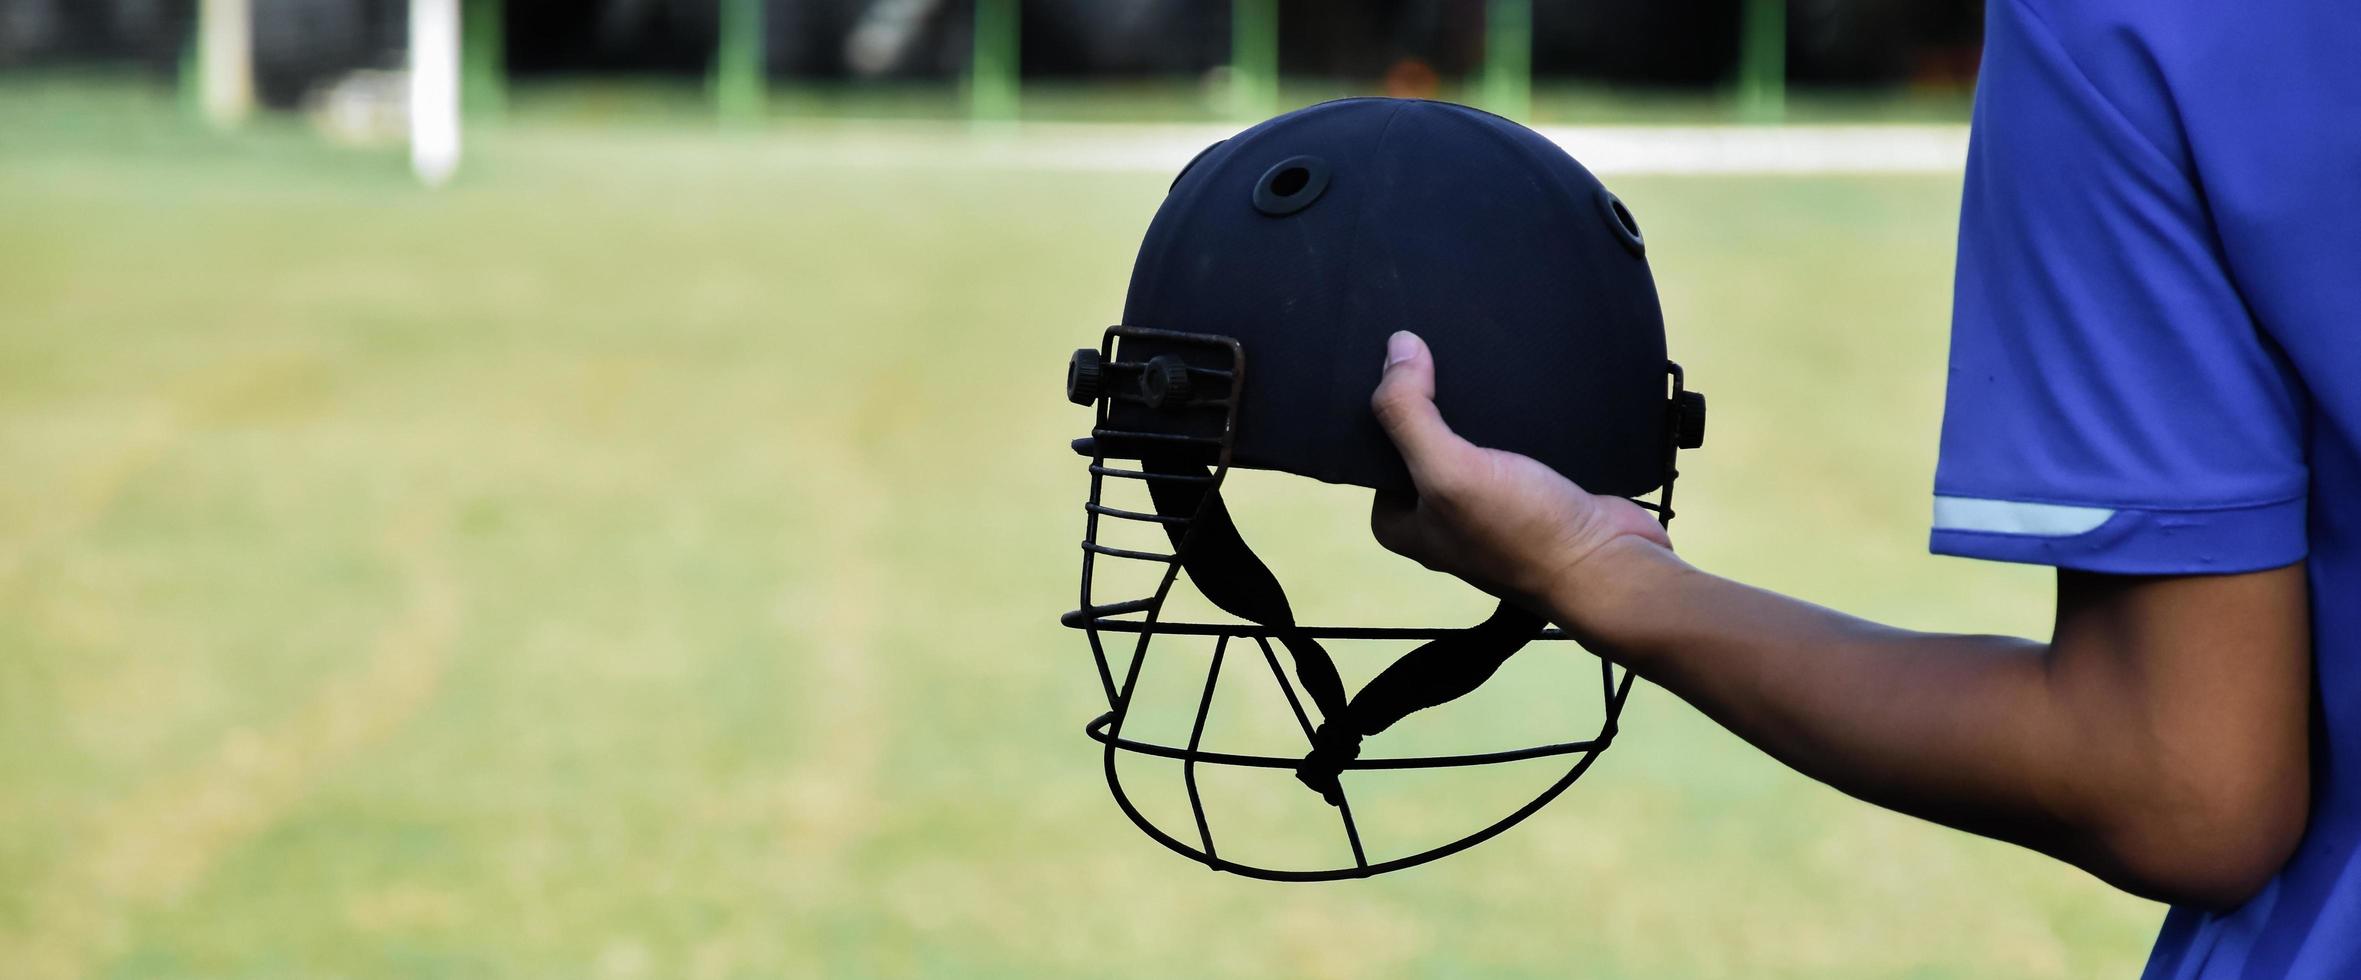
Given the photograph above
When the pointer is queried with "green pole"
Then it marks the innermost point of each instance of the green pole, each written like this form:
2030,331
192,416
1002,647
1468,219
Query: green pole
1254,58
192,73
483,59
1762,61
739,85
1508,58
992,88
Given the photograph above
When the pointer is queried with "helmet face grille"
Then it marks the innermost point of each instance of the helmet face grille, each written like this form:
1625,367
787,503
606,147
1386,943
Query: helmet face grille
1215,372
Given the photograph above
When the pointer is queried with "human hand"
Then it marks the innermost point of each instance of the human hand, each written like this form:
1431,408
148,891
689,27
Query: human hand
1504,522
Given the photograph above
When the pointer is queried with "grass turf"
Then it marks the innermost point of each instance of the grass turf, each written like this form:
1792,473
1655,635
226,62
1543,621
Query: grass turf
642,559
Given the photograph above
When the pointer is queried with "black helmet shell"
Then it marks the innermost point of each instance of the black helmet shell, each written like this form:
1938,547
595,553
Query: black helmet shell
1314,236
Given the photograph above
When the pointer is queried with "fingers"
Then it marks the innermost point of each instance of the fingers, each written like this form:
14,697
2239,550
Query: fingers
1399,526
1393,520
1405,406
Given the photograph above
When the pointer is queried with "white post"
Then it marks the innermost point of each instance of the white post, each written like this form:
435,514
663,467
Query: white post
225,56
434,89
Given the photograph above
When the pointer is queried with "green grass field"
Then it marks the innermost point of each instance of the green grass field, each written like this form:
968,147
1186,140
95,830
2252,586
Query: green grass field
643,559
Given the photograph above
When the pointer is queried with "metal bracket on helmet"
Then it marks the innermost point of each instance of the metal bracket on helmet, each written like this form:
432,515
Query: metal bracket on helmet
1096,378
1684,428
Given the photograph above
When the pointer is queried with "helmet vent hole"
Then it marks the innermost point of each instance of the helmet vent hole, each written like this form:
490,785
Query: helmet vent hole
1631,226
1290,186
1626,227
1290,181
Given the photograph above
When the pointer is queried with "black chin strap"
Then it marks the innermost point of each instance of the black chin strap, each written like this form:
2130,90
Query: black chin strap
1233,578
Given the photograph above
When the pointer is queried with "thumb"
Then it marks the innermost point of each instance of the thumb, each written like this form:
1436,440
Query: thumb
1405,405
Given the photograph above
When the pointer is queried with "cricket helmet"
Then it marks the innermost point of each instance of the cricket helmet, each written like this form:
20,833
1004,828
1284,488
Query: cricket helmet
1253,334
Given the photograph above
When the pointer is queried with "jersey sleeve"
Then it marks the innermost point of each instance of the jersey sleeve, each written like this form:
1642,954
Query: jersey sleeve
2112,405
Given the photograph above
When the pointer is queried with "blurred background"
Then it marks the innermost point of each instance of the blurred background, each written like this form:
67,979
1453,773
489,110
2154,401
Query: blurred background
580,489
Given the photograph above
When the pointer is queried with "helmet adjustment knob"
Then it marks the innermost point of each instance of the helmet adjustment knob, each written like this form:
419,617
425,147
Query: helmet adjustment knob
1086,377
1688,420
1165,383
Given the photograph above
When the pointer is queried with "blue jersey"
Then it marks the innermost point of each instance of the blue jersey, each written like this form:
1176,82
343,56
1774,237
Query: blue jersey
2156,358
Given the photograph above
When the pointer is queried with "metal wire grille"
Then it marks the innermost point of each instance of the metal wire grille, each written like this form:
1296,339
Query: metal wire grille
1102,622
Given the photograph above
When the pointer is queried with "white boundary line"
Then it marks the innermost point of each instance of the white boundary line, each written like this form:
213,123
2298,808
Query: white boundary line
1795,150
1606,150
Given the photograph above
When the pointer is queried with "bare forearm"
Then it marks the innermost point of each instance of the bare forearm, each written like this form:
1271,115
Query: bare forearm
1945,727
2158,740
1993,735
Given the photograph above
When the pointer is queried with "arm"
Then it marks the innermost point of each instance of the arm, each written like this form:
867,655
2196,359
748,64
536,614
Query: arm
2157,741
